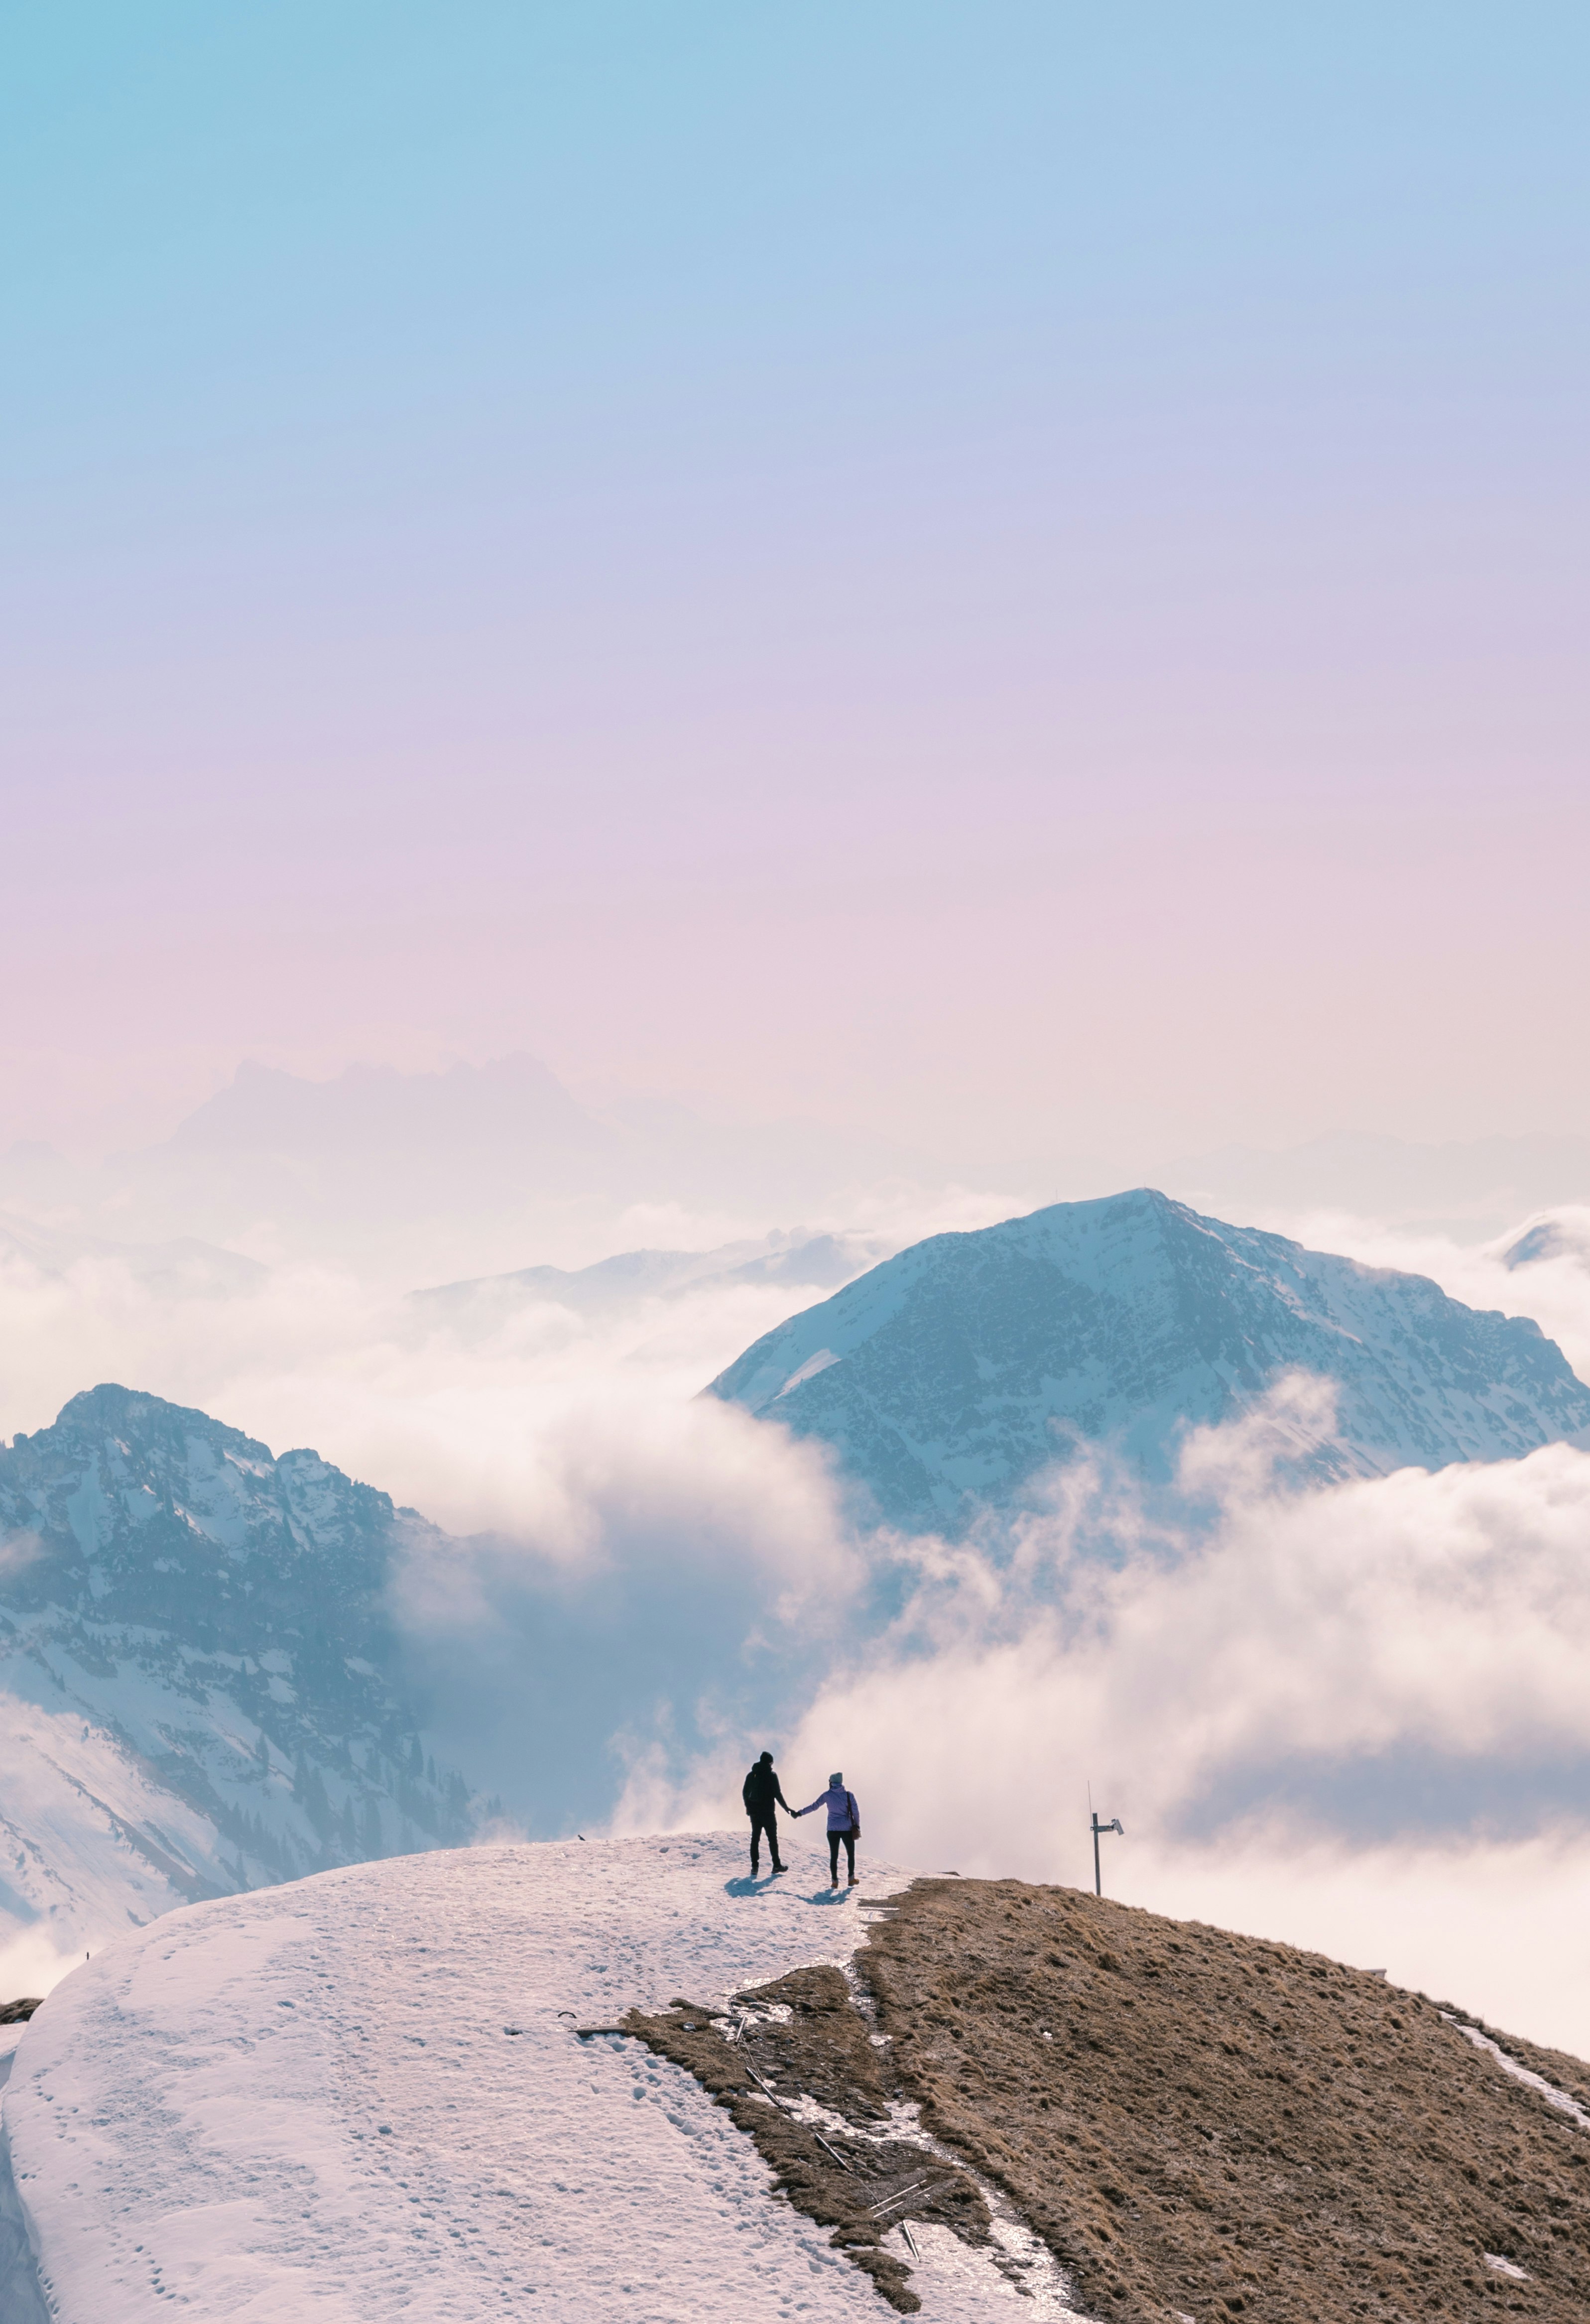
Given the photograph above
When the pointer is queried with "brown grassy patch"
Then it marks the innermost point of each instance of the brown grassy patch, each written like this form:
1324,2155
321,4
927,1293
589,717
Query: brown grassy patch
1218,2128
823,2052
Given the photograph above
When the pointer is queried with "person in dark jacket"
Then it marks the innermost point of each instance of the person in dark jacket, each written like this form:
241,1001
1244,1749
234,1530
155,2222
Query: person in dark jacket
759,1793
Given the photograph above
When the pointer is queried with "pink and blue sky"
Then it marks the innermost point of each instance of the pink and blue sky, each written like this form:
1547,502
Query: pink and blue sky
913,565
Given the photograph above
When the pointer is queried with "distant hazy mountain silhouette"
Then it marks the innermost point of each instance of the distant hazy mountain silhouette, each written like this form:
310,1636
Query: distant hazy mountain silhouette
514,1102
426,1173
807,1262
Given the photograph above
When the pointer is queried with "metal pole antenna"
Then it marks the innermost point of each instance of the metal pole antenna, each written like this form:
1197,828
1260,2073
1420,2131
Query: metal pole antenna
1114,1824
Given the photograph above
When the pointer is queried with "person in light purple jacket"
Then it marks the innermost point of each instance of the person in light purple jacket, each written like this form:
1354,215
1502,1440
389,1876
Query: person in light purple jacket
844,1824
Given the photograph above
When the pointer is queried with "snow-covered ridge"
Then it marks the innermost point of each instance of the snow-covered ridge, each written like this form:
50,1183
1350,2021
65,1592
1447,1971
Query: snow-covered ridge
947,1376
361,2096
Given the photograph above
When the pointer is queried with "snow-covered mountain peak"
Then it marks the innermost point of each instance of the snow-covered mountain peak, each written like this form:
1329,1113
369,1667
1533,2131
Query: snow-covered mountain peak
1562,1234
946,1377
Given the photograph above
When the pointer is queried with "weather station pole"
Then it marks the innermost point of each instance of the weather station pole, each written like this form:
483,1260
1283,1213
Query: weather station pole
1114,1824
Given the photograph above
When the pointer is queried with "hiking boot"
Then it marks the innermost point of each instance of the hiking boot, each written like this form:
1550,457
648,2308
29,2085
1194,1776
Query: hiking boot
854,1881
833,1883
781,1867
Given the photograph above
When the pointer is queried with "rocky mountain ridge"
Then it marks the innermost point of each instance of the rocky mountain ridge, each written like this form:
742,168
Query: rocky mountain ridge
202,1688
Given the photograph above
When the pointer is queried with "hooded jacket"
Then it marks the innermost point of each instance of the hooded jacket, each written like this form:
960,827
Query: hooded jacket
844,1815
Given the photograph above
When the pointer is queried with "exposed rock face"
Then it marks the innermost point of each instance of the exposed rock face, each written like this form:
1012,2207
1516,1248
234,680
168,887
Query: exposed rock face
946,1377
201,1685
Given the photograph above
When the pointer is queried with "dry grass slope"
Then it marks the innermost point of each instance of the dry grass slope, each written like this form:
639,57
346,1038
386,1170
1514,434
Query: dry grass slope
1204,2125
1200,2126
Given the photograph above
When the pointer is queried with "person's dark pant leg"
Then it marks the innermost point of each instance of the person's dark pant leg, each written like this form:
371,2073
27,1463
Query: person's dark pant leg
834,1840
759,1824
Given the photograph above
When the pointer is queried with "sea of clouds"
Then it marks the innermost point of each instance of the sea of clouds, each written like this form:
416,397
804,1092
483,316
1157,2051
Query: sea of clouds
1356,1717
